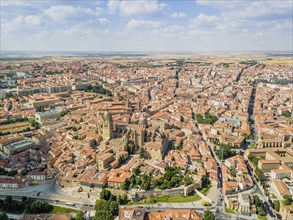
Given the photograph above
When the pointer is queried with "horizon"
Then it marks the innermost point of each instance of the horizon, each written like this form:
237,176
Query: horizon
146,51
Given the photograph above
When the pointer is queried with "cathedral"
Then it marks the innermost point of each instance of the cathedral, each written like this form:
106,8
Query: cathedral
141,134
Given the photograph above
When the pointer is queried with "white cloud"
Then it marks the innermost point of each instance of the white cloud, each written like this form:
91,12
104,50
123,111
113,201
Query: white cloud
33,20
239,25
103,21
143,24
67,12
251,9
223,4
204,21
14,3
178,15
22,22
130,8
113,6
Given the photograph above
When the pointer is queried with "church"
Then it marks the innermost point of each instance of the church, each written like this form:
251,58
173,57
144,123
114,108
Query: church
131,136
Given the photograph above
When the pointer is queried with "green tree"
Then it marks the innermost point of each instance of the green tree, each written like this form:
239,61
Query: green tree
287,200
187,180
121,160
136,170
123,186
256,200
206,183
106,210
8,199
23,198
208,215
261,211
142,153
233,171
113,207
105,194
206,119
103,215
286,114
3,216
259,175
79,215
277,205
253,159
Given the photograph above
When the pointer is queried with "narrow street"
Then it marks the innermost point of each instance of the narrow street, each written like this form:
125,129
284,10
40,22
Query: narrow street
250,112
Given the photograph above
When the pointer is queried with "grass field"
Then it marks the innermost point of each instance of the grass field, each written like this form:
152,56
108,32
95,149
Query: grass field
61,210
15,127
261,217
286,62
167,199
228,210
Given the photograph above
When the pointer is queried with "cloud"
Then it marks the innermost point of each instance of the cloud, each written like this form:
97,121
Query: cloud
204,21
113,6
266,9
143,24
103,21
241,15
22,22
79,25
178,15
33,20
130,8
60,13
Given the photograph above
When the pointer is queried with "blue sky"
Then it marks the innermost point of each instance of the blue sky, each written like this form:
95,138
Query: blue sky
151,25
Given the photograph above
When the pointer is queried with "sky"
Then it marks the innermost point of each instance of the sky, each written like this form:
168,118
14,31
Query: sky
150,25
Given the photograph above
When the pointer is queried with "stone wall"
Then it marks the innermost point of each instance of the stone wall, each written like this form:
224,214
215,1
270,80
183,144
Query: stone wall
139,195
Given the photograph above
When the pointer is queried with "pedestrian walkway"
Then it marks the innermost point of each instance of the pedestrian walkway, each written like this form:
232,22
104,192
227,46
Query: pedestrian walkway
213,192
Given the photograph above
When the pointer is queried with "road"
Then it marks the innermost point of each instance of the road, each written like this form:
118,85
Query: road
259,189
51,193
250,111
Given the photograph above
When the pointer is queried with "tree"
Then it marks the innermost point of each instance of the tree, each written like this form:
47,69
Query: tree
205,182
286,114
123,186
121,160
3,216
208,215
142,153
106,210
277,205
205,203
113,207
261,211
256,200
206,119
136,170
187,180
259,175
98,89
39,207
233,171
287,200
79,215
8,199
103,215
253,159
105,194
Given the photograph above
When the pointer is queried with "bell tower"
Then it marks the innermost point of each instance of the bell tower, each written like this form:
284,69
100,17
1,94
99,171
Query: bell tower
107,125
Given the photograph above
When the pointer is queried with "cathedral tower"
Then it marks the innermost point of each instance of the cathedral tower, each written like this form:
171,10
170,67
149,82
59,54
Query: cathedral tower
107,125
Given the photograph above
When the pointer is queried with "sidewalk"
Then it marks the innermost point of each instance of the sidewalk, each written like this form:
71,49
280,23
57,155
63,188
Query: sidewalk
213,192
